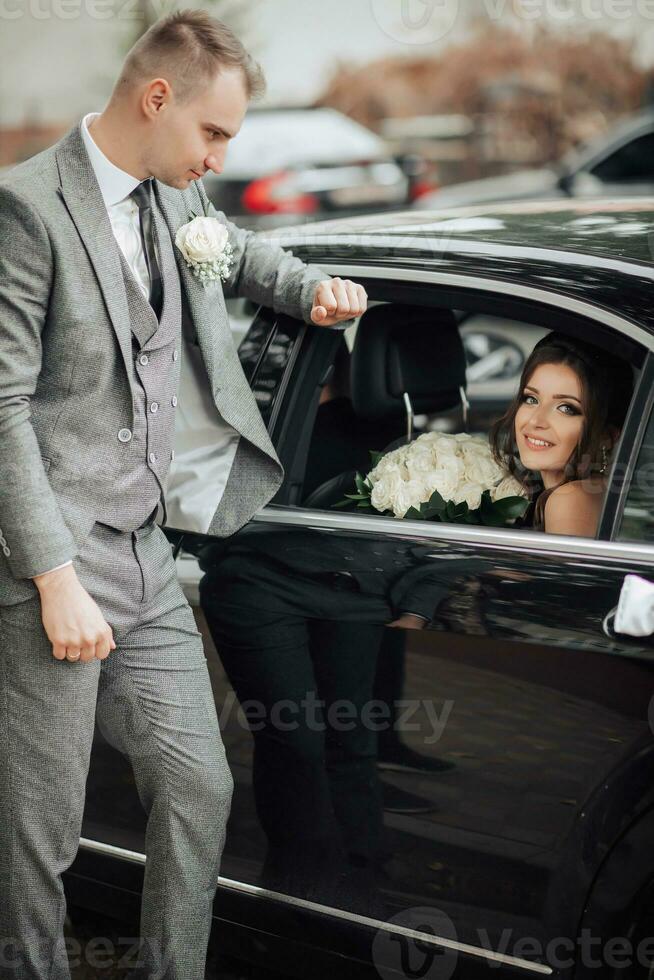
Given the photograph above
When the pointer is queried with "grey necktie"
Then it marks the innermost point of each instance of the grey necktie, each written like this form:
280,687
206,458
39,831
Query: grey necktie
142,194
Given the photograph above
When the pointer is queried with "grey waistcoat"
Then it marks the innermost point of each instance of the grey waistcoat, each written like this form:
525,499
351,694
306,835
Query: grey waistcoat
154,380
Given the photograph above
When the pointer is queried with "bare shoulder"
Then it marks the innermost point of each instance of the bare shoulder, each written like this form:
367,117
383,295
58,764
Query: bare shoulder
575,508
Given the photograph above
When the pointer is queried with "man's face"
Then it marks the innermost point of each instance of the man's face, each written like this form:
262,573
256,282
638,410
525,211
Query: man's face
193,137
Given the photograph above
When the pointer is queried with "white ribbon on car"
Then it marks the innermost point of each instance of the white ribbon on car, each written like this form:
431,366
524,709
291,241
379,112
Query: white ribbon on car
635,612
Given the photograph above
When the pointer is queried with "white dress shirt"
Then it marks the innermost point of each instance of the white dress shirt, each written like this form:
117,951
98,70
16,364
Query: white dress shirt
115,186
204,444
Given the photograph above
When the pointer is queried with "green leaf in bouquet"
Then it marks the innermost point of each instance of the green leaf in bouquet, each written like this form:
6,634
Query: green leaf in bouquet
362,485
413,514
375,456
511,507
486,511
436,501
497,513
357,498
460,512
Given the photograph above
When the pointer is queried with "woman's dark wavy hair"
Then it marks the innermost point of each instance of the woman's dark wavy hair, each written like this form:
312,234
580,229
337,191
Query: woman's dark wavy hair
606,387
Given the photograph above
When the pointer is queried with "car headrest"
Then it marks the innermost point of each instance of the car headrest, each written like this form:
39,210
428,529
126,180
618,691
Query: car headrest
398,348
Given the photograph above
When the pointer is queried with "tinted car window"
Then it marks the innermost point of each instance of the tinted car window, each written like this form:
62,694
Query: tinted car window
638,517
634,161
264,354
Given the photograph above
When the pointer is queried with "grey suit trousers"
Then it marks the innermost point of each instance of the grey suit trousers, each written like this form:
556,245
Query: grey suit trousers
154,702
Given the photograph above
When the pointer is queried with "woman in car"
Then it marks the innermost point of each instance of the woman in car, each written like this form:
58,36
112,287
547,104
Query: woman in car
557,435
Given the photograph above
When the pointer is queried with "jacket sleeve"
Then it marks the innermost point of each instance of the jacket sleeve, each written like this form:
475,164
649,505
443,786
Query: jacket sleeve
36,535
266,273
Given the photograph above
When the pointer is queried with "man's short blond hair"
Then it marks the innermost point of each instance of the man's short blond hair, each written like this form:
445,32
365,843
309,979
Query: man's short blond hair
189,48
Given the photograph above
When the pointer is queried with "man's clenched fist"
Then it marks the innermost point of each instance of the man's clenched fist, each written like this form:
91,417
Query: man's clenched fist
338,299
72,620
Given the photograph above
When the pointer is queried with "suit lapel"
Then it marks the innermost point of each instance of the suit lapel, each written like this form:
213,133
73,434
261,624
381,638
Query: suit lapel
206,305
231,392
81,194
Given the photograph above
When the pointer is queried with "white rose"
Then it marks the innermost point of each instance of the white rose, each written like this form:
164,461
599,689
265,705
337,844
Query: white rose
445,478
420,463
389,464
442,438
202,240
392,460
428,437
508,487
409,494
471,493
380,497
480,467
384,489
484,471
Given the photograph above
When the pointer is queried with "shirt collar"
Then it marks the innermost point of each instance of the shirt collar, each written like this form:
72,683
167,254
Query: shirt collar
115,184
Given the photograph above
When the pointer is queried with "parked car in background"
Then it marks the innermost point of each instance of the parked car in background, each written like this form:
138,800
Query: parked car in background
619,164
291,165
501,808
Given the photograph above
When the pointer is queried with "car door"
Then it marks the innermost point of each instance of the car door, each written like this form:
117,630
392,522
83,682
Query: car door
508,727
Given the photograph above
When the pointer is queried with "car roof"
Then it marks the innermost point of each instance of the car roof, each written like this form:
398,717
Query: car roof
620,229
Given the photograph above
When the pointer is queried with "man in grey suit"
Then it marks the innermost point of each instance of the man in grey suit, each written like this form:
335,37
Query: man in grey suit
97,303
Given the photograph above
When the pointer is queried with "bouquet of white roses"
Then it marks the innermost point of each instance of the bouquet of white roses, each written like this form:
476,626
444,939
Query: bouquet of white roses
441,477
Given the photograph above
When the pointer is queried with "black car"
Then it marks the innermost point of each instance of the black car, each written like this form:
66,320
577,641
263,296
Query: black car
495,814
620,163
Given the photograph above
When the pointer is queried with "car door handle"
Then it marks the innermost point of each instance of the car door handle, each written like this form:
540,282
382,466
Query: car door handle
634,613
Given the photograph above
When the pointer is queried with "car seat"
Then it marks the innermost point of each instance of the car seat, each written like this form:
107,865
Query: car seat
406,360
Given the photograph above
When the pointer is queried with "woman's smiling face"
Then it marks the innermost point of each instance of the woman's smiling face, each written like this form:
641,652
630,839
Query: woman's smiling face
549,423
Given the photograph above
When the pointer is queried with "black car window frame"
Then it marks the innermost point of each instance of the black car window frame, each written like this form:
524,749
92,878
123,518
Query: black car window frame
636,433
525,303
602,169
266,369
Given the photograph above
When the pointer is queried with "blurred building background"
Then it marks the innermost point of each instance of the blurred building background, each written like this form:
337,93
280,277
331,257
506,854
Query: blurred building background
474,88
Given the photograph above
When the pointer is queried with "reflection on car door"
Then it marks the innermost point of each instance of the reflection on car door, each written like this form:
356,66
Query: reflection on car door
498,725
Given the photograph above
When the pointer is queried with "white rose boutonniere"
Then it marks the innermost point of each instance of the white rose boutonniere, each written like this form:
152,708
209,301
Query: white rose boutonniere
206,249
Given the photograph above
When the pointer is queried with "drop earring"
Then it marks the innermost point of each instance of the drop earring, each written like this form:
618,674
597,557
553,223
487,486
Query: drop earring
605,459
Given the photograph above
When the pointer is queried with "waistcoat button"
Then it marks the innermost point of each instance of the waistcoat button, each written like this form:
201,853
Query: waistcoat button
174,401
124,435
152,457
154,406
175,355
143,359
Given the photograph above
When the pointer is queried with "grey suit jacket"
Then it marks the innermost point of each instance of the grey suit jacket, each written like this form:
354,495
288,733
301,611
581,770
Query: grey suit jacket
65,345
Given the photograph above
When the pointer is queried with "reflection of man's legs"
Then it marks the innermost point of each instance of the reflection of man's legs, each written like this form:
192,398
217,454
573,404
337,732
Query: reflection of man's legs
264,648
345,660
259,624
155,704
